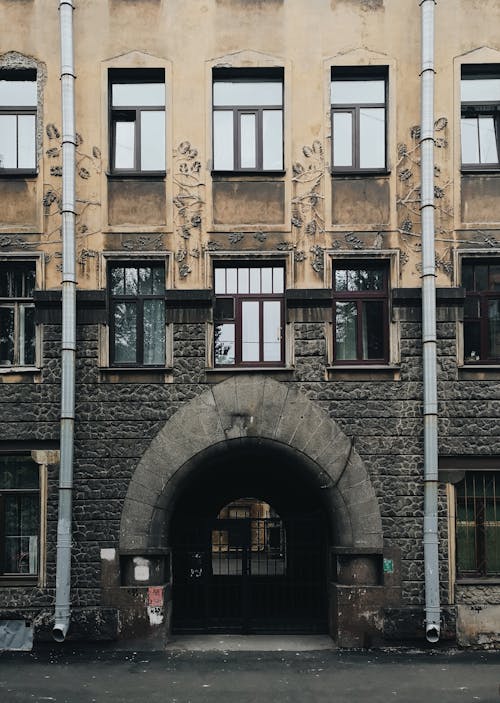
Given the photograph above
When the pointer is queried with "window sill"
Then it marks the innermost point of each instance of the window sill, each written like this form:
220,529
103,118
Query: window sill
17,581
251,174
18,173
136,369
19,369
249,369
118,175
478,581
367,372
478,170
360,173
479,372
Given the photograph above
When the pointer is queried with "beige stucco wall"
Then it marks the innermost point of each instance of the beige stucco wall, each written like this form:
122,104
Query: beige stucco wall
304,37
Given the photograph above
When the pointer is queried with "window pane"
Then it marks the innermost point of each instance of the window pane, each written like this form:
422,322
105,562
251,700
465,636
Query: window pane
138,94
26,141
220,281
267,280
470,140
6,336
152,140
243,280
341,279
29,282
21,534
272,330
472,341
18,93
224,309
278,279
487,140
117,281
26,335
272,140
250,330
154,332
357,92
345,330
125,323
342,139
131,278
223,141
249,93
255,280
224,344
480,89
494,328
468,277
231,280
365,279
145,280
373,330
247,141
372,138
158,280
481,271
472,307
18,472
8,141
124,144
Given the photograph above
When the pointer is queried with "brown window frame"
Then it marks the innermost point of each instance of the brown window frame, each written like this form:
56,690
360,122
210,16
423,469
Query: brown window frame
132,113
29,75
360,297
237,317
480,300
242,75
359,73
476,109
19,576
472,499
17,303
138,299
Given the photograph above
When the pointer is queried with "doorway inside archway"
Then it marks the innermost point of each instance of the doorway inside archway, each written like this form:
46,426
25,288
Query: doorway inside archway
249,539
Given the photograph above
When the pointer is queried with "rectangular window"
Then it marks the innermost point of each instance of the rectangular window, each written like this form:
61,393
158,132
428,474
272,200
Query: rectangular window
248,120
480,125
358,100
137,314
249,314
19,517
481,280
18,102
478,524
137,100
17,314
360,313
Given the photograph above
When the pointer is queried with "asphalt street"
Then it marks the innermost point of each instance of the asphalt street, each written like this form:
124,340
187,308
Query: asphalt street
76,675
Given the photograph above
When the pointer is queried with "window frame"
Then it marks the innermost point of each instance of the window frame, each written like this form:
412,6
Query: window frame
18,303
359,297
139,76
476,109
139,298
29,75
483,298
22,578
237,317
243,75
361,74
478,523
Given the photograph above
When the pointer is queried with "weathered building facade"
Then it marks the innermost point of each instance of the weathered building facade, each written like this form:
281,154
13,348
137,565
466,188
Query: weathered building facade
248,438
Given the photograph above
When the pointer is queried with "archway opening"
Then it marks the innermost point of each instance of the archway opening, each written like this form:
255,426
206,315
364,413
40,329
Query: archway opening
249,536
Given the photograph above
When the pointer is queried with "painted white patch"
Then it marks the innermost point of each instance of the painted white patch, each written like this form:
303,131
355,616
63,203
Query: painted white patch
108,554
155,615
141,569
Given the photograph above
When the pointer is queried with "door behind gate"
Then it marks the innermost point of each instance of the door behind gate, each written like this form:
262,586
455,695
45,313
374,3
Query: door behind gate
247,575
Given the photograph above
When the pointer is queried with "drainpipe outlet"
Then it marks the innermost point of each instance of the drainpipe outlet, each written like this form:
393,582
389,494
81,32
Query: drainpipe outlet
60,631
432,633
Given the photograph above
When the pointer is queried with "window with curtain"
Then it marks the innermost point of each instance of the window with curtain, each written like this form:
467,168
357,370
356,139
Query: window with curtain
249,314
360,313
19,517
137,314
480,123
17,313
481,280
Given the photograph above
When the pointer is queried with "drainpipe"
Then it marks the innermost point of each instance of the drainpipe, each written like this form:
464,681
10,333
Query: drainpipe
431,558
63,565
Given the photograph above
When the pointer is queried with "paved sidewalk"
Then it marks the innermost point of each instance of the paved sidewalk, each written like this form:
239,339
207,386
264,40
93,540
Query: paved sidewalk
74,674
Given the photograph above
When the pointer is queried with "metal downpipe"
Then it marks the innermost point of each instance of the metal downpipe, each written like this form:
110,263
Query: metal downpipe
431,555
68,353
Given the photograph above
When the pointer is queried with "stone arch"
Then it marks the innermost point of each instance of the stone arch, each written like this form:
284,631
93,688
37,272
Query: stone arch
250,406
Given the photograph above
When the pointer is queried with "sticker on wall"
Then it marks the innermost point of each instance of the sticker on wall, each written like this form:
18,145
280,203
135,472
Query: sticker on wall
388,566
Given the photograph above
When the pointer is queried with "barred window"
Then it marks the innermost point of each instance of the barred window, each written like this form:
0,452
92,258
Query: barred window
478,524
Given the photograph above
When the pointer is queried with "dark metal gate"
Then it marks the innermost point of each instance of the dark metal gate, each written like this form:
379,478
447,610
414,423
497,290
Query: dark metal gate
247,575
